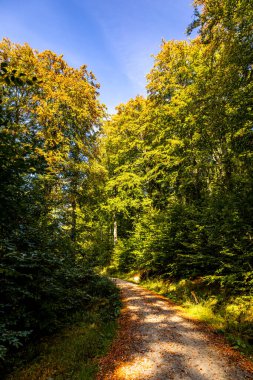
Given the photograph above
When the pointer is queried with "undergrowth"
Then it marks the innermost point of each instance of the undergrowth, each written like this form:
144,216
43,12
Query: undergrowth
73,352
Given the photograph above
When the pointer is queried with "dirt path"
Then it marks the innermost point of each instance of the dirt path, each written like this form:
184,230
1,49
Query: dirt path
156,342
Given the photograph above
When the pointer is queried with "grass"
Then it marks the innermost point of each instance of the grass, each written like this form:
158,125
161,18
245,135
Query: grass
231,316
71,354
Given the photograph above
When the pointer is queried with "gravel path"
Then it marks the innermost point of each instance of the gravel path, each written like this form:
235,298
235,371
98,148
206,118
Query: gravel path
156,342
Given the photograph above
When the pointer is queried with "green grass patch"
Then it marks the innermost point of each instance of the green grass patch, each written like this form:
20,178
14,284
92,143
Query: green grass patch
205,313
71,354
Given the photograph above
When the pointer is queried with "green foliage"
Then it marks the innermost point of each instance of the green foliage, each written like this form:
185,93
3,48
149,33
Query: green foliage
49,180
166,190
73,352
190,174
41,291
180,162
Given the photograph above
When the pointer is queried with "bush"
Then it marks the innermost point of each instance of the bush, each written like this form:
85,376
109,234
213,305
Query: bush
40,292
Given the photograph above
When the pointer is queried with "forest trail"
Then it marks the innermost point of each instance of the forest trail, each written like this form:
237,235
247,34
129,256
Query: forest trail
156,342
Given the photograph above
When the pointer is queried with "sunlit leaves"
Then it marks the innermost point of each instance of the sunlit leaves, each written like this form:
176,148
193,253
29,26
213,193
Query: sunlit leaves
194,163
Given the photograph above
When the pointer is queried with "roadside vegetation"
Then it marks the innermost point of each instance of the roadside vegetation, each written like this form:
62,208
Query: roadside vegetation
73,352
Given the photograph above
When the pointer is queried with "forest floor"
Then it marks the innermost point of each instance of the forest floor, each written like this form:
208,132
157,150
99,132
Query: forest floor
156,341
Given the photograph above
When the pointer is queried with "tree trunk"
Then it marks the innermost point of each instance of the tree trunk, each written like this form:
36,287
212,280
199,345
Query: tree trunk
115,231
73,221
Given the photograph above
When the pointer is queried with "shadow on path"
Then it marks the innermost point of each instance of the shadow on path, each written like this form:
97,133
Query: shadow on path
156,343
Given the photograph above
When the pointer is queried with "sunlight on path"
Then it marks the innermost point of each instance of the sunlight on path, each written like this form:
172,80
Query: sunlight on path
160,344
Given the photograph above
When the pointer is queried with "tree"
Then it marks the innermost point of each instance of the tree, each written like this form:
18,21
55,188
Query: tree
196,160
49,117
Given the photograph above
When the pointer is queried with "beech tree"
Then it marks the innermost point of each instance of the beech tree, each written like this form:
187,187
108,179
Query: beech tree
50,116
196,153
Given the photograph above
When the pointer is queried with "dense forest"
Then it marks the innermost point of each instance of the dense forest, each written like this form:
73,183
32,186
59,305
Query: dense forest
180,162
164,187
50,178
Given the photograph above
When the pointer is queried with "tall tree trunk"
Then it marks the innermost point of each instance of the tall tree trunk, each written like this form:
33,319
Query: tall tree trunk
73,220
115,230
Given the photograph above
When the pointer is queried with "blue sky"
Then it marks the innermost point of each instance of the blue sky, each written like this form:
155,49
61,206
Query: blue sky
115,38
